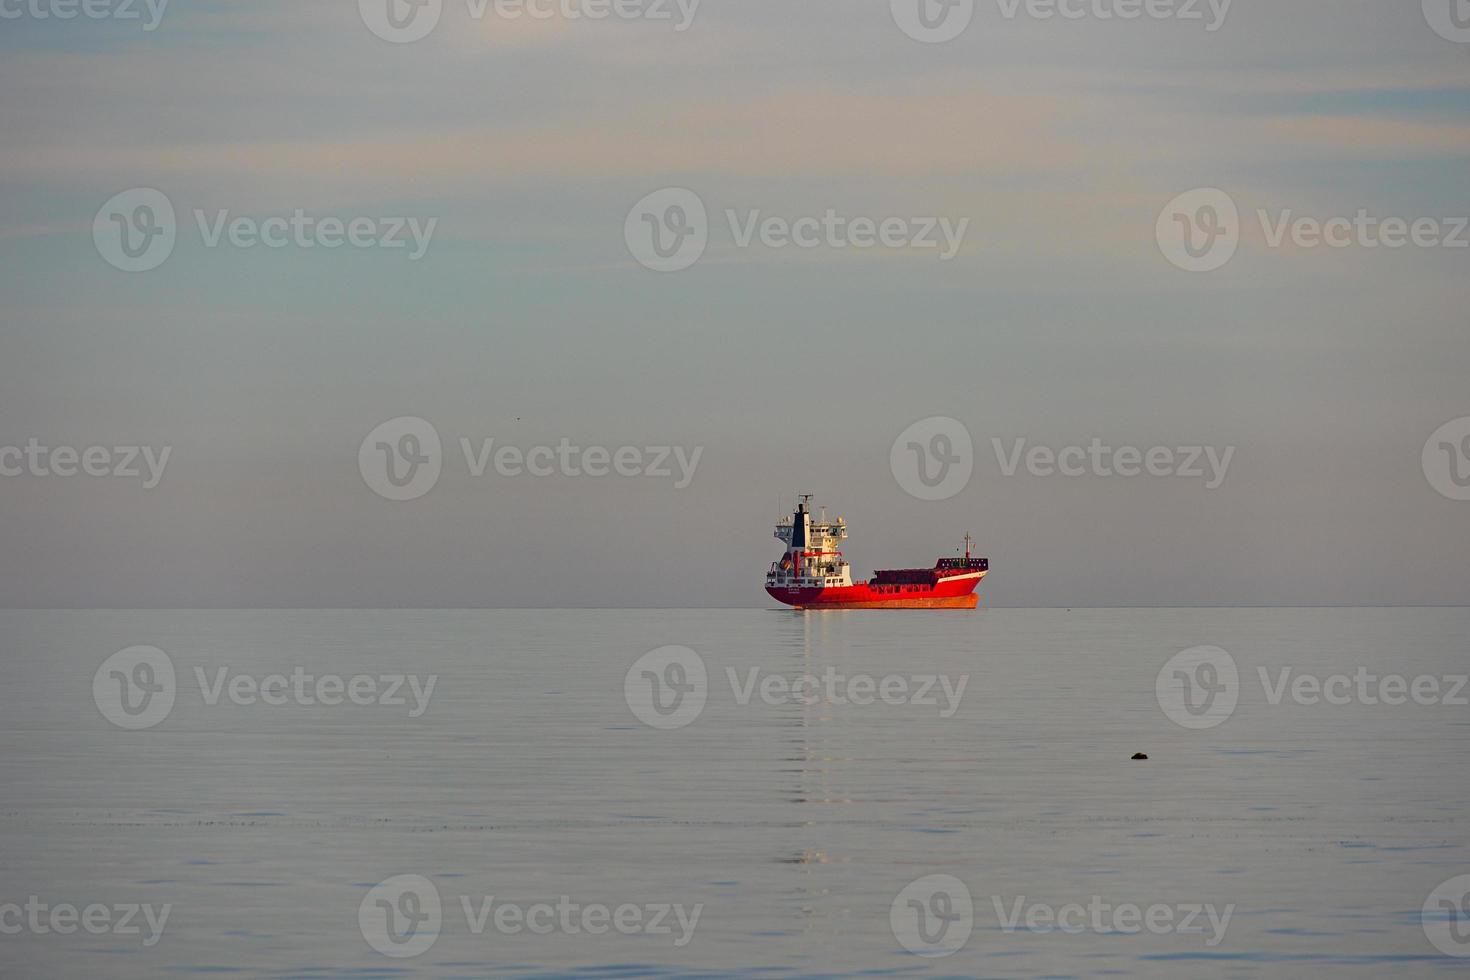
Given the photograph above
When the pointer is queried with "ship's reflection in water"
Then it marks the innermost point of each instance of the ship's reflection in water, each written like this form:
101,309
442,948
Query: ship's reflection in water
820,753
797,823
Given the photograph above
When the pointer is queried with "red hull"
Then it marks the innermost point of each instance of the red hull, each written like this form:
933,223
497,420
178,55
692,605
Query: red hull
948,592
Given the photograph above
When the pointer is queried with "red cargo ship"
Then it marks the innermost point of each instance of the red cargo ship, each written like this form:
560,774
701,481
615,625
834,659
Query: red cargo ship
812,574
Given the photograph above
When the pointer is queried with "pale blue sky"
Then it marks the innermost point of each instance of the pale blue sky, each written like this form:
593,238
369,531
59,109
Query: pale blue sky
1059,320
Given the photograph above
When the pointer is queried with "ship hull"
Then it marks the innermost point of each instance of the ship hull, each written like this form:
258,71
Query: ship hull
950,592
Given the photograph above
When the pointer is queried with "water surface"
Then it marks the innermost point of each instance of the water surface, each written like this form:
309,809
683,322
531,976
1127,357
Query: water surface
528,777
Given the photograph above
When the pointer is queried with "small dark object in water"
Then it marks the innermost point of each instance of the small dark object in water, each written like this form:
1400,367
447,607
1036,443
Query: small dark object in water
1139,755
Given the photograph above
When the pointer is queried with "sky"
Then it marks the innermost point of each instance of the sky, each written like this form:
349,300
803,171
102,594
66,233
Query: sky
654,237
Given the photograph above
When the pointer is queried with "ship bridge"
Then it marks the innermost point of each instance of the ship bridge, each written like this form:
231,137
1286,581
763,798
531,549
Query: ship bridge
823,535
813,550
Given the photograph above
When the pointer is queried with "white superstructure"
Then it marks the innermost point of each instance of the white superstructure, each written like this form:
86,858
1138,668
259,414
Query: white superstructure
813,558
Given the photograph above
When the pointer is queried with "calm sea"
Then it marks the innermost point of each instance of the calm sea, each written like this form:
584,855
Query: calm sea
783,794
